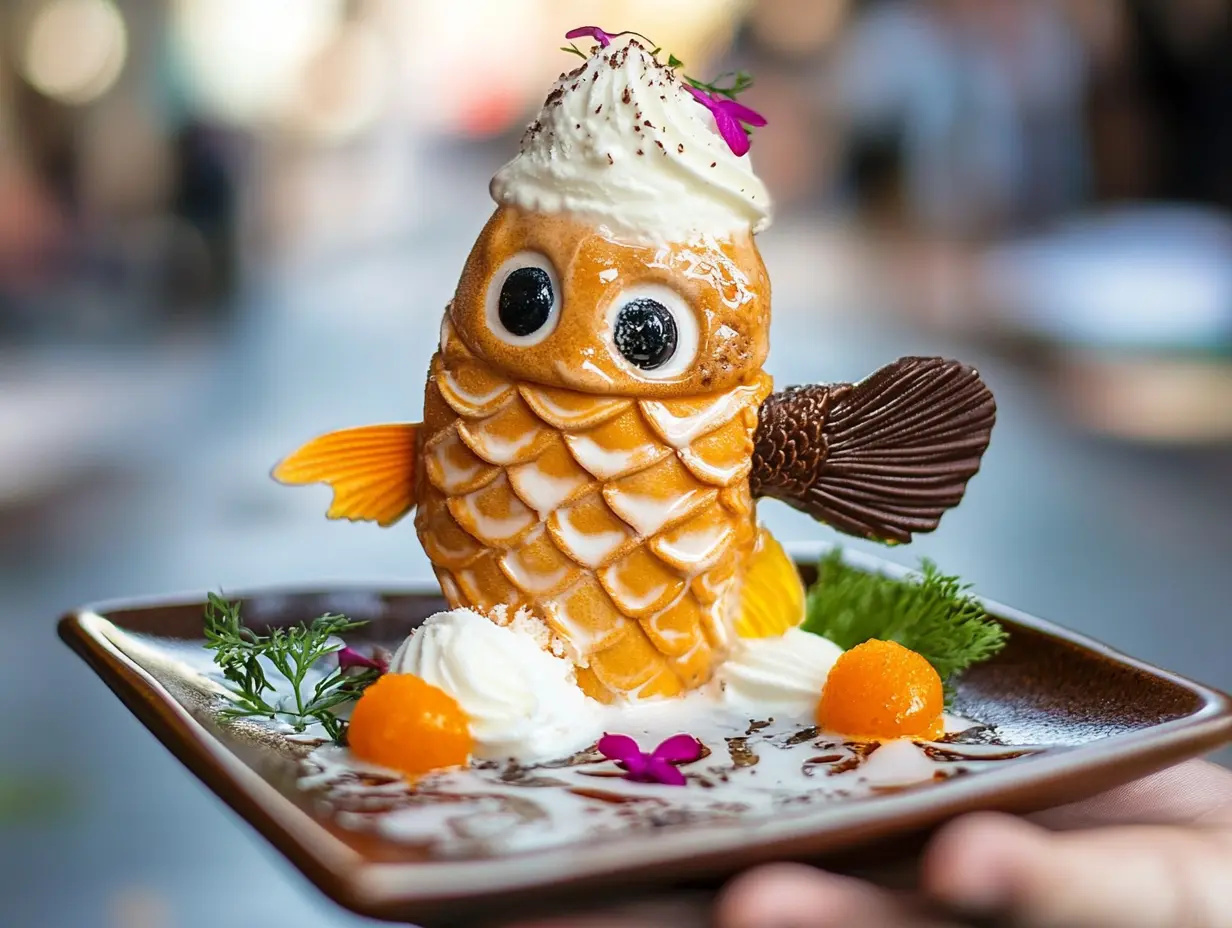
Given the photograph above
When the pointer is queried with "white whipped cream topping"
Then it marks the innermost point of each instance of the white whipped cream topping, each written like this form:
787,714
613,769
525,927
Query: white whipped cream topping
522,701
785,673
621,143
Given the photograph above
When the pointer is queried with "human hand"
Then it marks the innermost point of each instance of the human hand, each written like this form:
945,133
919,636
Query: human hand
1156,853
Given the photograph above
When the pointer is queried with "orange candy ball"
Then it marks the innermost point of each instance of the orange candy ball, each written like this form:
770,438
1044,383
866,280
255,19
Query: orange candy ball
880,690
406,724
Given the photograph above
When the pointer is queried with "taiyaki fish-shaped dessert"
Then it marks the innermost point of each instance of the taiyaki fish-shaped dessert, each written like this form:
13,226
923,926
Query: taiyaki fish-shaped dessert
597,425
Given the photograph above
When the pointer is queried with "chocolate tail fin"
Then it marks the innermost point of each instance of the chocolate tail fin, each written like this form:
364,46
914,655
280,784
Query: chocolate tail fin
881,459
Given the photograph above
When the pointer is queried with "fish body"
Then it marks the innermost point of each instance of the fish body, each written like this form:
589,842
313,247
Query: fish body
624,523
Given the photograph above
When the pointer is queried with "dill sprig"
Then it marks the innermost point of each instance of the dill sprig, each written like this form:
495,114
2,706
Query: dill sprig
931,613
721,86
239,652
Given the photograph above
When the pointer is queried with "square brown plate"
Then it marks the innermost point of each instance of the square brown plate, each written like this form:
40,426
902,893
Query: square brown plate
1115,718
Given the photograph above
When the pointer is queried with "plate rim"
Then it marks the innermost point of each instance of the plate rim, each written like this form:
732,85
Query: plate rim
390,890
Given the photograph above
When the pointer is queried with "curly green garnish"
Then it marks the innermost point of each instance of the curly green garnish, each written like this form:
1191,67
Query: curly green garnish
931,613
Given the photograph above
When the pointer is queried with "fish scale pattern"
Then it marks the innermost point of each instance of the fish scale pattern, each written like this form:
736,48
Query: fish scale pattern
623,523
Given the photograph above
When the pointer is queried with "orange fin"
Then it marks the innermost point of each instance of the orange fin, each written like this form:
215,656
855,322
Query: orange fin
772,599
371,470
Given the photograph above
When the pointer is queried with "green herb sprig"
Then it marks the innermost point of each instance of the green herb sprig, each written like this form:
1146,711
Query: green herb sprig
930,613
729,84
238,652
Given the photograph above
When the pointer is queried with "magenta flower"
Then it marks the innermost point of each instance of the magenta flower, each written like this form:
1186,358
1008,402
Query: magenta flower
593,32
348,657
656,767
728,116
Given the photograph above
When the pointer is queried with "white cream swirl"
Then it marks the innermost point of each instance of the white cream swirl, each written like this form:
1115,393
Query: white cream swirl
785,673
522,701
620,142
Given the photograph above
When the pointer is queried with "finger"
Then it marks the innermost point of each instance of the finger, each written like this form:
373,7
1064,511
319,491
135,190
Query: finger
1130,876
1196,791
796,896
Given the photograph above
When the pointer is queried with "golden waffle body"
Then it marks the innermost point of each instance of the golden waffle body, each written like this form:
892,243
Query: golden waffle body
623,523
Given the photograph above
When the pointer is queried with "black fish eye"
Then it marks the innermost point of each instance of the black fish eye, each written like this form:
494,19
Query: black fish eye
645,333
525,301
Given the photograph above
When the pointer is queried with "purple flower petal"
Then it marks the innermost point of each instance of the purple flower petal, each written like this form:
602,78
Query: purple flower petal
658,767
660,771
637,767
349,657
679,749
619,747
701,97
735,137
728,115
743,113
593,32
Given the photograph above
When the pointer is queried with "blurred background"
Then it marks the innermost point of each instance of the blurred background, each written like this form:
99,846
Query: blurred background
229,225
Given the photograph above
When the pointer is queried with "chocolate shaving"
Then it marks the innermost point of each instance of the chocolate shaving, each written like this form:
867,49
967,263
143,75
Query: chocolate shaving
588,755
976,734
740,752
809,767
603,795
805,734
517,775
943,755
881,459
860,751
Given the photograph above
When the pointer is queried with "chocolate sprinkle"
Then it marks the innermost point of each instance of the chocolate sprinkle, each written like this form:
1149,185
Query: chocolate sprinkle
881,459
804,734
740,752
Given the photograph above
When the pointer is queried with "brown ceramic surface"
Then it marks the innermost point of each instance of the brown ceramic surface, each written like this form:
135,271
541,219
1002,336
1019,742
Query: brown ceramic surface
1121,719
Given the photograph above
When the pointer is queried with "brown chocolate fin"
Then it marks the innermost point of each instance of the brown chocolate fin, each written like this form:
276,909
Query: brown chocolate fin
371,470
880,459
